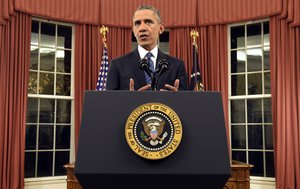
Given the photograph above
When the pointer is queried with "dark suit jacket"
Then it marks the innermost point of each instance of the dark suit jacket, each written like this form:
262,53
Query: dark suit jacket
125,67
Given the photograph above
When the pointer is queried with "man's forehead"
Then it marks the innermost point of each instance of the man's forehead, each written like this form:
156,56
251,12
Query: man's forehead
143,14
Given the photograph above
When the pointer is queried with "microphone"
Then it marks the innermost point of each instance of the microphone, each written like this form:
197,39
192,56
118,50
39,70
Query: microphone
145,66
162,66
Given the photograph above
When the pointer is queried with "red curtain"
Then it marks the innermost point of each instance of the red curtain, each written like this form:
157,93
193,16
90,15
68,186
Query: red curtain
212,59
175,13
75,11
88,54
118,41
14,66
285,86
87,57
212,12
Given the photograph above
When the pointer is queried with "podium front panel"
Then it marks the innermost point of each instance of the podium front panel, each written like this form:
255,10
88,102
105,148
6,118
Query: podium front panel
103,155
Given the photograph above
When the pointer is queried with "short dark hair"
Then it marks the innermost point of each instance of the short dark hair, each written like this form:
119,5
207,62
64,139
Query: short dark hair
150,7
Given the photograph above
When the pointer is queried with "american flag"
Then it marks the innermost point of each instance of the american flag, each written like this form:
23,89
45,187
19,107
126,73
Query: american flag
196,79
101,84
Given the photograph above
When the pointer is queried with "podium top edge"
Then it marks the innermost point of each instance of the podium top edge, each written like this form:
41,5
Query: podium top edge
126,91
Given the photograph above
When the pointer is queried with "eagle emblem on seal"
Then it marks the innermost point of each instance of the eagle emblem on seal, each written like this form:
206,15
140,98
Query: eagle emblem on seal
153,129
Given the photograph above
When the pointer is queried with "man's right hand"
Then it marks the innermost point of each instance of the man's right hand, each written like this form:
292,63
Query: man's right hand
131,86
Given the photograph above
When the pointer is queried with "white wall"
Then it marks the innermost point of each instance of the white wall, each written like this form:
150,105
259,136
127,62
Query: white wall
257,184
46,184
62,184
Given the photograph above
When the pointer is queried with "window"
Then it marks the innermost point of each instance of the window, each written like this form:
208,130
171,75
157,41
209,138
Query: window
50,100
250,97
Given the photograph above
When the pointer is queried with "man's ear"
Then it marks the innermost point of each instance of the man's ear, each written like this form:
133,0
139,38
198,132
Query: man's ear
161,29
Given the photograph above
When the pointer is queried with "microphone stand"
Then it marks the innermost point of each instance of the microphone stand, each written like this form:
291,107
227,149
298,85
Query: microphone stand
153,81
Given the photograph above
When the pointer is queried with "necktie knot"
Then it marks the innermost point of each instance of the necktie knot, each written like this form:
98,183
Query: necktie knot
148,56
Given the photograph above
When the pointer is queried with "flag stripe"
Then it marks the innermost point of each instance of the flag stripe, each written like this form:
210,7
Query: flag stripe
101,83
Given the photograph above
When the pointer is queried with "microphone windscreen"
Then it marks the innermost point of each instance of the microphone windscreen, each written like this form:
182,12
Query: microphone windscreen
163,66
144,64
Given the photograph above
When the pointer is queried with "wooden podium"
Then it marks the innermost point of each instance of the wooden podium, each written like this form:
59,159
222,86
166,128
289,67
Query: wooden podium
72,182
240,176
239,179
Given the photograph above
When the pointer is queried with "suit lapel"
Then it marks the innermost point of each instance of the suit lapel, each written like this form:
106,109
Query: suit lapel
161,78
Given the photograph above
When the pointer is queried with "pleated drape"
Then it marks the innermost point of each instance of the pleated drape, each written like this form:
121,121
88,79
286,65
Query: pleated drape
87,57
14,66
75,11
175,13
285,89
212,12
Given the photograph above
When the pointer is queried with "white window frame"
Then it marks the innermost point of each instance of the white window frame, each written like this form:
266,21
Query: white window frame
58,179
255,179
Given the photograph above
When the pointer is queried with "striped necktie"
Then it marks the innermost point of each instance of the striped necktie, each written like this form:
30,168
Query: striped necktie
148,57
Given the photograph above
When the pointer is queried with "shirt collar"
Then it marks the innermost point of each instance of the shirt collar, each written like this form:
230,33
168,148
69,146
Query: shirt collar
143,52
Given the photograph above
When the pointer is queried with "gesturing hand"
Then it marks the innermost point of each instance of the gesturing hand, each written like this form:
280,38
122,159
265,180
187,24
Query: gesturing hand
131,86
170,87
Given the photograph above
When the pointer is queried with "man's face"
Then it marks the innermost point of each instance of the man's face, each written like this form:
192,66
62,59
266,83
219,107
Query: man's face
146,28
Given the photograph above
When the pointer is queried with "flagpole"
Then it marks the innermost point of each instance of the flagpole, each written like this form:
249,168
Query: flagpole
101,82
198,86
103,31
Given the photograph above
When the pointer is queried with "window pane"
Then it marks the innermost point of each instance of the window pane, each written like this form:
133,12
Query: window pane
30,164
270,164
255,137
267,83
255,83
253,35
47,59
32,110
34,57
237,111
47,34
47,110
256,159
62,137
238,85
63,114
266,33
254,59
238,59
30,137
239,156
164,42
45,137
35,33
32,83
64,34
61,158
63,58
267,58
267,110
45,160
63,85
46,83
237,37
269,137
254,110
238,136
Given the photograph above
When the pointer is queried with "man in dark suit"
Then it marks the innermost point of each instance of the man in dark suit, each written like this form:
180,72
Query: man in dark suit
124,72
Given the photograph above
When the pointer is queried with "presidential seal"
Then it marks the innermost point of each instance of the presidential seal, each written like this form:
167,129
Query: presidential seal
153,131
